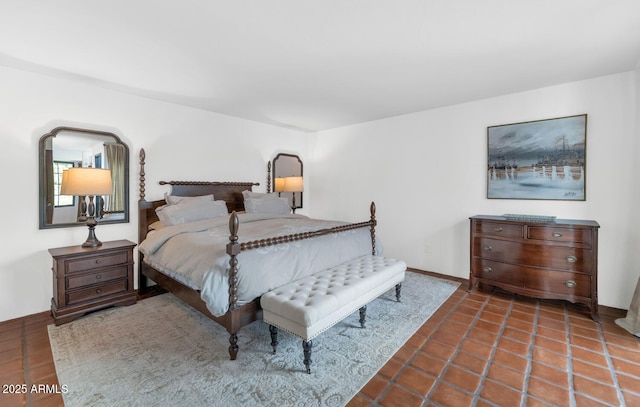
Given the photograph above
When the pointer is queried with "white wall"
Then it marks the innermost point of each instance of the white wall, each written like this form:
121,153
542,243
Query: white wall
181,144
426,173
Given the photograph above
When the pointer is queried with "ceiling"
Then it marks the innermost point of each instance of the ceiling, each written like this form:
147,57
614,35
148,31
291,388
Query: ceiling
319,64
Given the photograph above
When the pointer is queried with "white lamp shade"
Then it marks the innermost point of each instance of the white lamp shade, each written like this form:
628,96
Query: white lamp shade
293,184
278,185
86,181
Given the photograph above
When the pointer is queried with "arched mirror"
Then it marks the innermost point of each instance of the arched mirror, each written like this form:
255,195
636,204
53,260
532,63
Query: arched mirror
287,178
66,147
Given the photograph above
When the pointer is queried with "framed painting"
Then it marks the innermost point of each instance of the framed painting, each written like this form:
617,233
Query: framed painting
543,159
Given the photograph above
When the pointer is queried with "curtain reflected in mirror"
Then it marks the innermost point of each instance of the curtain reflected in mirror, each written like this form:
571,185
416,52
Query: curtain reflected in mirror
67,147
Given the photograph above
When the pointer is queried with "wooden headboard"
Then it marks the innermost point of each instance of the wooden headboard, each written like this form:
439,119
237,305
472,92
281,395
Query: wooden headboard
230,192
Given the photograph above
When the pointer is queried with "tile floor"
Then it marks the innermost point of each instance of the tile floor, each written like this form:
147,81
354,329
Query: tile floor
479,349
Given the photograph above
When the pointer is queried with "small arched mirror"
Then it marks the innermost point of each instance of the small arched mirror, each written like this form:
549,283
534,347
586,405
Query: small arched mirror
288,167
66,147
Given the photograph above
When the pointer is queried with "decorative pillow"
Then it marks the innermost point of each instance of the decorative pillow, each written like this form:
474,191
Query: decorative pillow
174,199
191,211
277,206
259,195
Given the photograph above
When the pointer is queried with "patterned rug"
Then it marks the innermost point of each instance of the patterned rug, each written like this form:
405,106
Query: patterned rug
161,352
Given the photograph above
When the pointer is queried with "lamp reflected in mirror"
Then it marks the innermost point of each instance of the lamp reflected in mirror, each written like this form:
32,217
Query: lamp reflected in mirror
293,184
87,182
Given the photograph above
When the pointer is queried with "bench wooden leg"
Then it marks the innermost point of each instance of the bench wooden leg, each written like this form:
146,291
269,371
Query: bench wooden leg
274,337
363,316
306,348
398,289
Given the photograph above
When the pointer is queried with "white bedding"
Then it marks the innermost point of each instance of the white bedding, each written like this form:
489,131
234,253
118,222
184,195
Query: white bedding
195,254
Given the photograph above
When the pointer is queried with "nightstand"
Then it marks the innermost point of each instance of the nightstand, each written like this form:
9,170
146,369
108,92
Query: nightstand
89,279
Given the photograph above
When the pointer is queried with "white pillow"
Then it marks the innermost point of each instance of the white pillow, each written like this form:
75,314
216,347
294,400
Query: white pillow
191,211
259,195
277,206
174,199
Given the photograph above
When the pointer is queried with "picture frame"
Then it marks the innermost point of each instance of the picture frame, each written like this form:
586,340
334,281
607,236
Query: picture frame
541,159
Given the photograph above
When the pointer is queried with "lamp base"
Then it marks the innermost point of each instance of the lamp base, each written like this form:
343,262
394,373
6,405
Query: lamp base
92,240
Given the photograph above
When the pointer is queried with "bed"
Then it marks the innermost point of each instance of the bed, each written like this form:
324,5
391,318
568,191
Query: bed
222,264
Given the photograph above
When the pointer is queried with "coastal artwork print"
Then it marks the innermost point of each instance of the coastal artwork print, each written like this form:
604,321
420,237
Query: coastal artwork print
542,159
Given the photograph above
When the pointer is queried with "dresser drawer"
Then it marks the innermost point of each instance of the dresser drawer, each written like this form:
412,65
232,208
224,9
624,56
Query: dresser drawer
99,277
538,255
499,272
500,229
88,263
557,234
96,292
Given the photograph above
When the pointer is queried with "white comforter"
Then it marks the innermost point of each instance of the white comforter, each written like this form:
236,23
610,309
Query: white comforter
194,254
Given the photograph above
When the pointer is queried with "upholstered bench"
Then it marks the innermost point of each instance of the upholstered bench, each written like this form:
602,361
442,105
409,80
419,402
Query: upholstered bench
311,305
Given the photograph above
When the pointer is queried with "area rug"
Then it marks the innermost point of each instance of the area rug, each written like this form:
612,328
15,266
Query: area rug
161,352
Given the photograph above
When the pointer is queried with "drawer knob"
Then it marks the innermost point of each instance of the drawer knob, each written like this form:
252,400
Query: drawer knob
98,276
557,234
98,291
570,283
487,269
98,261
497,229
488,248
571,259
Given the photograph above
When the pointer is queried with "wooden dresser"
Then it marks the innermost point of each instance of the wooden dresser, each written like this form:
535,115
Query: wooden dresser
89,279
551,260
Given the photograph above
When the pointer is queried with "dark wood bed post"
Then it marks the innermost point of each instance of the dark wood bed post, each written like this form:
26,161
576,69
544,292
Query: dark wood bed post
269,176
142,223
372,209
233,249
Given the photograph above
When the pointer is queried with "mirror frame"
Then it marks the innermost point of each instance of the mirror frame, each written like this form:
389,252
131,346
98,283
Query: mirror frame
274,169
42,207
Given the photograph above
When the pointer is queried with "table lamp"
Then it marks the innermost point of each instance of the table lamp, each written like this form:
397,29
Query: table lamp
293,185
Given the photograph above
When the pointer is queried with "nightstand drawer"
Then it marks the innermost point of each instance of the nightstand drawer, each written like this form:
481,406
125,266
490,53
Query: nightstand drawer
96,292
88,263
94,278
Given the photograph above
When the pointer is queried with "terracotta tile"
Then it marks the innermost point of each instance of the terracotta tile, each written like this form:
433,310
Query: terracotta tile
53,400
416,381
550,358
523,316
470,362
359,401
12,399
454,327
482,336
510,360
461,319
497,309
374,387
391,368
550,374
37,373
487,326
547,332
447,395
438,350
519,348
416,341
398,397
405,353
599,391
631,383
39,358
625,367
462,378
586,343
632,399
500,395
517,335
546,391
625,341
592,372
10,354
584,401
428,364
11,325
582,331
446,337
476,348
632,356
505,376
588,356
557,324
492,317
520,325
551,344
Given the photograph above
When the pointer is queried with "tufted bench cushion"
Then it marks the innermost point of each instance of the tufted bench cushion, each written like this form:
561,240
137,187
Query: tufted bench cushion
311,305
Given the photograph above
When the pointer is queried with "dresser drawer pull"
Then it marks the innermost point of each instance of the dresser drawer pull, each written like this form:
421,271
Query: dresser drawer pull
497,229
98,261
570,283
487,269
557,234
571,259
98,276
488,248
98,291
